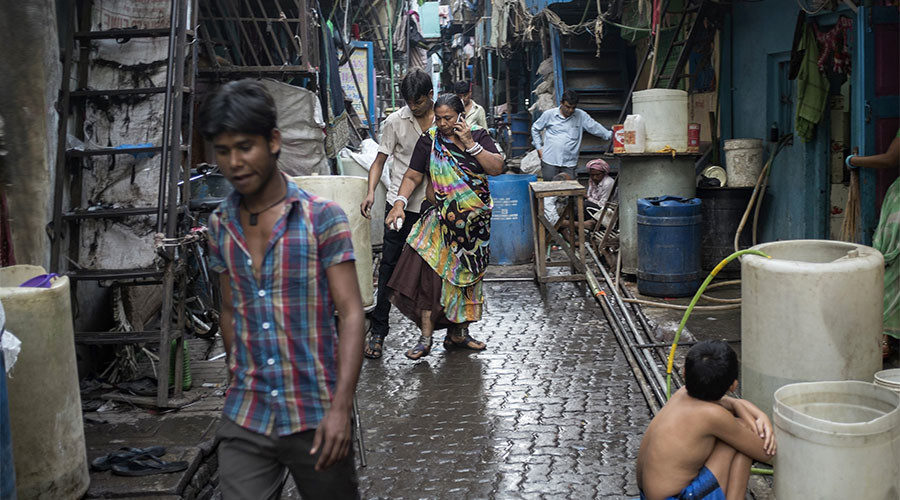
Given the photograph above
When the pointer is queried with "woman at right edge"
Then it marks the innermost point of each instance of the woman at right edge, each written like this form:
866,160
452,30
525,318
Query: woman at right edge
437,281
887,240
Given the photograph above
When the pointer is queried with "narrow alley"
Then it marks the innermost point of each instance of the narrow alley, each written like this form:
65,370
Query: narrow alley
450,249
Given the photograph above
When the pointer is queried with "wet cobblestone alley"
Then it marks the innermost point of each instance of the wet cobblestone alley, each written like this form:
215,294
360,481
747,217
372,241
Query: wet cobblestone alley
549,410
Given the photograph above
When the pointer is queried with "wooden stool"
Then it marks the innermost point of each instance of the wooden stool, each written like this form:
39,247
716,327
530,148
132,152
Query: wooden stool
543,228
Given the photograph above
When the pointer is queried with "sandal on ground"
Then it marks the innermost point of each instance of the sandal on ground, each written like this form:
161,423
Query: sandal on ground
421,349
466,342
106,462
887,347
147,465
375,346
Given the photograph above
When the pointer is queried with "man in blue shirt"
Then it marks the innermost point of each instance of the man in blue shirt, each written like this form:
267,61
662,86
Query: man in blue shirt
562,126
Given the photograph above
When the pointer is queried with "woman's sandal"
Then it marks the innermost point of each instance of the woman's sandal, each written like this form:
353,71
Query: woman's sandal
422,349
467,342
375,346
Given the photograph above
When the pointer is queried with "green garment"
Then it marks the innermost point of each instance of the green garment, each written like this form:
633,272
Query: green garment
812,88
887,241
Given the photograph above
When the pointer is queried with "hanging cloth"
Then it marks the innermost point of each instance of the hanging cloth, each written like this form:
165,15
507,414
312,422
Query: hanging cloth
812,88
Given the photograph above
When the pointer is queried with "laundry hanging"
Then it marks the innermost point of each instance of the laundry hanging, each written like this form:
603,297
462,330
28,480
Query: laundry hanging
812,88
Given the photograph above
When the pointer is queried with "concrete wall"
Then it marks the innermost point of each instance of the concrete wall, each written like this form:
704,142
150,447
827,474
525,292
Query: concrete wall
761,35
29,86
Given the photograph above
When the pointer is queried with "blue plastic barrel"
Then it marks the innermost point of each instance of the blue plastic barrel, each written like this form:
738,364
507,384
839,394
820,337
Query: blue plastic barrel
668,233
511,230
520,126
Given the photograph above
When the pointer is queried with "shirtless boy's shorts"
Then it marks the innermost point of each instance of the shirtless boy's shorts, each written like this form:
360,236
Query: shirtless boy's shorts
705,486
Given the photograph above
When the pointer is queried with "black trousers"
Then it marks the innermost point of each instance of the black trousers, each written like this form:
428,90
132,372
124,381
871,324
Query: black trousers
391,249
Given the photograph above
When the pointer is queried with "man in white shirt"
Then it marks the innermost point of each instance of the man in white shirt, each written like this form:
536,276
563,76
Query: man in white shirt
399,133
561,141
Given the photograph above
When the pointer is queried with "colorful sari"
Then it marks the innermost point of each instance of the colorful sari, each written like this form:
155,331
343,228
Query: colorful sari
453,236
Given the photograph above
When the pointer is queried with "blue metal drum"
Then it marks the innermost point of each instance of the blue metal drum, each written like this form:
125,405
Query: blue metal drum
511,225
668,232
520,126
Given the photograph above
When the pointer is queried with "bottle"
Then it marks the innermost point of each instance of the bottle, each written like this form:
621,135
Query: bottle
635,134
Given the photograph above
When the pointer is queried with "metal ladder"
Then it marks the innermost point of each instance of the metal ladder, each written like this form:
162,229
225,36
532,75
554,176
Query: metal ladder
700,10
174,151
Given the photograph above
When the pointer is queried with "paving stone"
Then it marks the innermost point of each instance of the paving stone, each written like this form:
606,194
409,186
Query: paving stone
549,410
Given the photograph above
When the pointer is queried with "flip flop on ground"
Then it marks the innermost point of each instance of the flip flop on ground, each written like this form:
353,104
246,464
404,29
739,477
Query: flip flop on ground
106,462
147,465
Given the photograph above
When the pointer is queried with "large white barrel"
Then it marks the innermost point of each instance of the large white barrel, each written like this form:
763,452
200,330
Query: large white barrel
44,399
349,166
665,114
810,313
348,192
837,440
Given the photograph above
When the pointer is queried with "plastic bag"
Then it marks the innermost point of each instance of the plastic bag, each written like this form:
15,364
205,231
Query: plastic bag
11,346
531,163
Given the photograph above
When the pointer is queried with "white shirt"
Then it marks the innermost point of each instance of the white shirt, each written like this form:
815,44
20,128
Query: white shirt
399,133
562,136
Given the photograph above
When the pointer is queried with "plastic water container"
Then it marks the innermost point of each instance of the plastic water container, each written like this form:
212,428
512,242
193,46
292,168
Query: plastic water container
889,379
635,134
743,161
837,440
348,192
511,226
723,208
812,312
44,398
349,166
665,113
668,233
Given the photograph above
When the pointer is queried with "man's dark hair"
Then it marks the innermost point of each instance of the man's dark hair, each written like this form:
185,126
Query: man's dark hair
461,87
571,97
710,368
242,106
415,85
451,100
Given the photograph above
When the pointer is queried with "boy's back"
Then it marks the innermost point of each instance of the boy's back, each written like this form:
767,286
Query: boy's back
701,443
676,445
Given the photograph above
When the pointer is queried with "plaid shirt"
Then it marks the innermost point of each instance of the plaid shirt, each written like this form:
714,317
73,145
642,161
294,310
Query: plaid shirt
283,359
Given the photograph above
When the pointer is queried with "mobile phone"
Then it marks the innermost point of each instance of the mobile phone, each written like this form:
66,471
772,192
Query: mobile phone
459,118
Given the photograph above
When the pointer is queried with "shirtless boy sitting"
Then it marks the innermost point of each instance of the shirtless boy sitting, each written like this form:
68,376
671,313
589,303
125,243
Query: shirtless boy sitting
702,443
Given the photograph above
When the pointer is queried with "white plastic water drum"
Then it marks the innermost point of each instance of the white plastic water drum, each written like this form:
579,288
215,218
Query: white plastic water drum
743,161
44,398
837,440
348,192
889,379
349,166
665,113
812,312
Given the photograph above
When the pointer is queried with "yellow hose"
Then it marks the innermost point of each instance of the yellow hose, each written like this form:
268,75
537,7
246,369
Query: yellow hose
690,308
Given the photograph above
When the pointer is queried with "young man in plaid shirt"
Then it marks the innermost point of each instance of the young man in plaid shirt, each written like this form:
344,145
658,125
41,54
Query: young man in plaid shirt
286,265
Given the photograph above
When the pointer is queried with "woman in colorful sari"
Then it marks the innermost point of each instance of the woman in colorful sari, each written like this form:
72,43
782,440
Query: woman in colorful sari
437,281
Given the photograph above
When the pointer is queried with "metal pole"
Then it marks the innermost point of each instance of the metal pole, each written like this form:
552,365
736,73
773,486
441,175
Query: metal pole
391,49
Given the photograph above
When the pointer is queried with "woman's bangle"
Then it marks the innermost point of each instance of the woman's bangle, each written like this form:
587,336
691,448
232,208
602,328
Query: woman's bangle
403,199
474,150
847,162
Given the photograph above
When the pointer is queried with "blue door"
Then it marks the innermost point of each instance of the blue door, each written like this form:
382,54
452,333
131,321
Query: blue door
876,106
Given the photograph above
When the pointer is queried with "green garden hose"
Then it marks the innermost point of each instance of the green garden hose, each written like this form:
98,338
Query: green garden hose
690,308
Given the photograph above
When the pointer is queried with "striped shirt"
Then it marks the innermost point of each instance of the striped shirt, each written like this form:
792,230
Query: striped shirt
283,358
